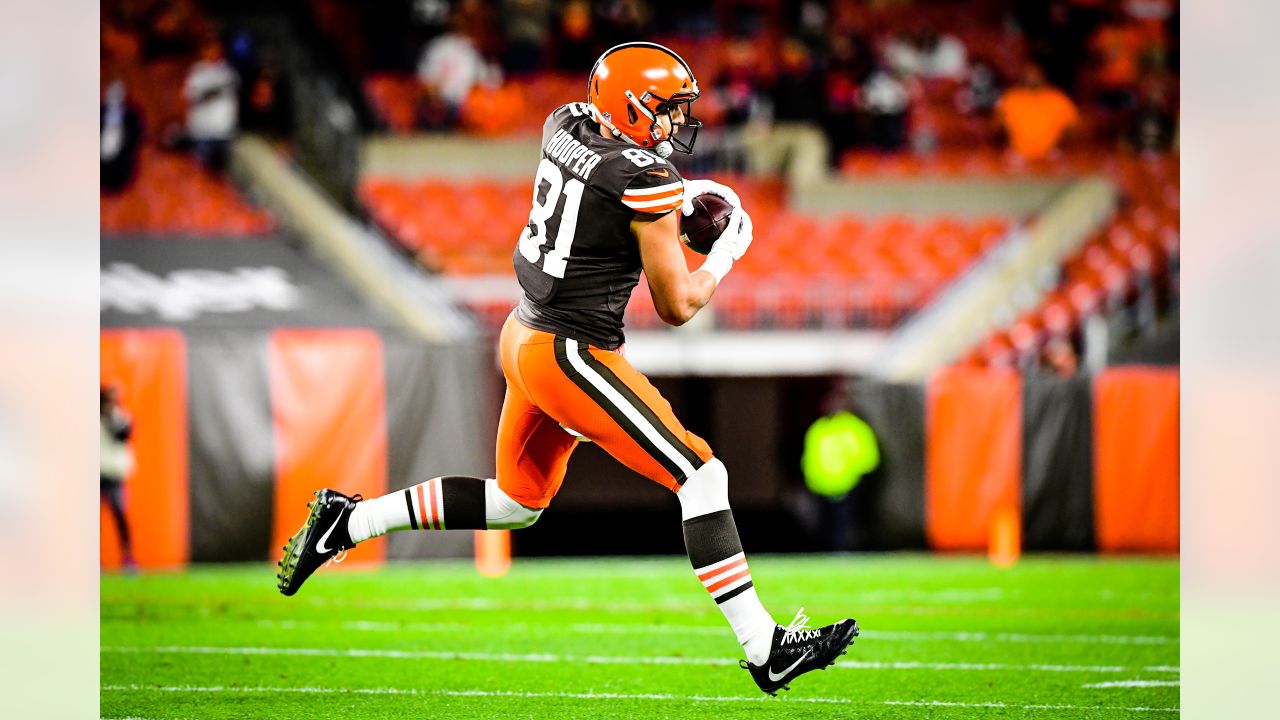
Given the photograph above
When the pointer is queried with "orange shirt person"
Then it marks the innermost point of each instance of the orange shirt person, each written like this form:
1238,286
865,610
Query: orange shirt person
1035,115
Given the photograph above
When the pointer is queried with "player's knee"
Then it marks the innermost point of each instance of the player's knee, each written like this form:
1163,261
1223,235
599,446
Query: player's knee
705,491
503,513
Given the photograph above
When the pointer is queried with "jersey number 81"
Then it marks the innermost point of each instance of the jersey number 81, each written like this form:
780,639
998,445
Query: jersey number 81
534,241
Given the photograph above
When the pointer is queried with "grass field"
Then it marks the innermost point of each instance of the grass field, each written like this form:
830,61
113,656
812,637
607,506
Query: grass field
1053,637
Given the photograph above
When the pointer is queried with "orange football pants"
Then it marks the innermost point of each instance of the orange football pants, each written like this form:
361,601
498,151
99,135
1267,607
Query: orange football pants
555,383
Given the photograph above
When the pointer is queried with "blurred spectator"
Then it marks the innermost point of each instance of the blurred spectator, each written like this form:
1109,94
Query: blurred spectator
980,92
1153,18
839,449
1035,115
267,102
812,22
526,24
1116,47
679,17
119,44
115,463
742,104
848,63
927,54
795,147
1057,34
1151,125
575,43
620,21
121,128
885,102
451,66
264,91
213,107
171,29
1058,357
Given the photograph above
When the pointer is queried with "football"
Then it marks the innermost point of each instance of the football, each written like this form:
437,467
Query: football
702,228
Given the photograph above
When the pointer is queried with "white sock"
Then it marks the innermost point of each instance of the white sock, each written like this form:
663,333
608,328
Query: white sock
752,624
473,505
421,506
718,560
373,518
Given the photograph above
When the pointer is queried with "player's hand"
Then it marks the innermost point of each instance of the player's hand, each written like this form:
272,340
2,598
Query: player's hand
736,238
694,188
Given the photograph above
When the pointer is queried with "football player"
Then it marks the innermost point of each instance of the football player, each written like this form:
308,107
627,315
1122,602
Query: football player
605,204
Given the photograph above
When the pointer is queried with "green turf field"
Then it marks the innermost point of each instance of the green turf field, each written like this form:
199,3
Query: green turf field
1053,637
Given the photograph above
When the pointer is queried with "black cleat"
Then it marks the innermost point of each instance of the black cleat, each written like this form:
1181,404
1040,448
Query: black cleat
796,650
323,536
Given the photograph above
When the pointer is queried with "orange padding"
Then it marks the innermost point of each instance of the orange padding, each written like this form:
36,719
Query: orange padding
1136,461
149,367
328,412
973,455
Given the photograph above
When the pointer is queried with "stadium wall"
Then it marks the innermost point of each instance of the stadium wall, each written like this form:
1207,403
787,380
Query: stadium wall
1085,463
1088,463
234,431
255,376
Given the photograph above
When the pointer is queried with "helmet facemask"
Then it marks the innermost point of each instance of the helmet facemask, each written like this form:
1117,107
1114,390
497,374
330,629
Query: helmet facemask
683,103
665,144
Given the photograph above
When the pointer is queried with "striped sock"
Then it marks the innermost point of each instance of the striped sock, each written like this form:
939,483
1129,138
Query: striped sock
445,503
720,564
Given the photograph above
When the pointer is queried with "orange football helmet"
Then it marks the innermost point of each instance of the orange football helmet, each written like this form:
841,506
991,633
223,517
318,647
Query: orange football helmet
633,84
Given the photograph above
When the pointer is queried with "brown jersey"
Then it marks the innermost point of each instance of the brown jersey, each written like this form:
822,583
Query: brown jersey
577,260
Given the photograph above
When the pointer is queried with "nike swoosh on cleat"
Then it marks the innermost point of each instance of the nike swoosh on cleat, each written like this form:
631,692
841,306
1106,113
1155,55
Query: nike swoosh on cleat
779,676
320,543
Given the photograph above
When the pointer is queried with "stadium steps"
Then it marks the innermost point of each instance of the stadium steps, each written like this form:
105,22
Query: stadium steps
1011,279
366,261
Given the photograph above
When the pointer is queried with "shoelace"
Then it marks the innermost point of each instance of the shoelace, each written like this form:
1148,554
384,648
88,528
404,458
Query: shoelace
798,630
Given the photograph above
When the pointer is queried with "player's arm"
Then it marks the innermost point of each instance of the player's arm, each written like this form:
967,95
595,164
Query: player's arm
678,295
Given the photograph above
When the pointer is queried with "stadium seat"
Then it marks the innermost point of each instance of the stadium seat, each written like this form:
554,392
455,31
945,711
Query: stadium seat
837,271
172,195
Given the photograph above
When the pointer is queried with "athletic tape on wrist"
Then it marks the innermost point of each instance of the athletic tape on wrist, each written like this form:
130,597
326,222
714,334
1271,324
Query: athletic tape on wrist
718,264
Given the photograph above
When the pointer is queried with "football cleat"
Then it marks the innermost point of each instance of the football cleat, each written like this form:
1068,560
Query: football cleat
797,649
323,537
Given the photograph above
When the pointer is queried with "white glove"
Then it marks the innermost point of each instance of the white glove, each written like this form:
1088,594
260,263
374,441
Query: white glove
694,188
730,246
736,238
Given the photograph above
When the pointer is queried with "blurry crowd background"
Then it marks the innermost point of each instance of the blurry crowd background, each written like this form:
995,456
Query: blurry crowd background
784,83
794,95
820,76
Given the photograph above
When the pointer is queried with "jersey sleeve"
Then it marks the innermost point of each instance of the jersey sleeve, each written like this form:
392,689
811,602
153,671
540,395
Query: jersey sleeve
654,190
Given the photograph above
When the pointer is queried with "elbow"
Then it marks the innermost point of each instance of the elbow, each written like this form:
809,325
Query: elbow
676,316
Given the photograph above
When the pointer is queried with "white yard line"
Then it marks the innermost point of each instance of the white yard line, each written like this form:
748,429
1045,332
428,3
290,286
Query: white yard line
605,659
643,629
604,696
684,604
1133,684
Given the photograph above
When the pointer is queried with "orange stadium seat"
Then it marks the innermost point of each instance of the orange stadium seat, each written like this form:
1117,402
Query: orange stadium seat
802,271
172,195
394,99
1136,250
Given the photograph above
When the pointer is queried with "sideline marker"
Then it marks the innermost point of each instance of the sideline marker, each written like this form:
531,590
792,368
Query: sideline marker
1005,541
493,552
